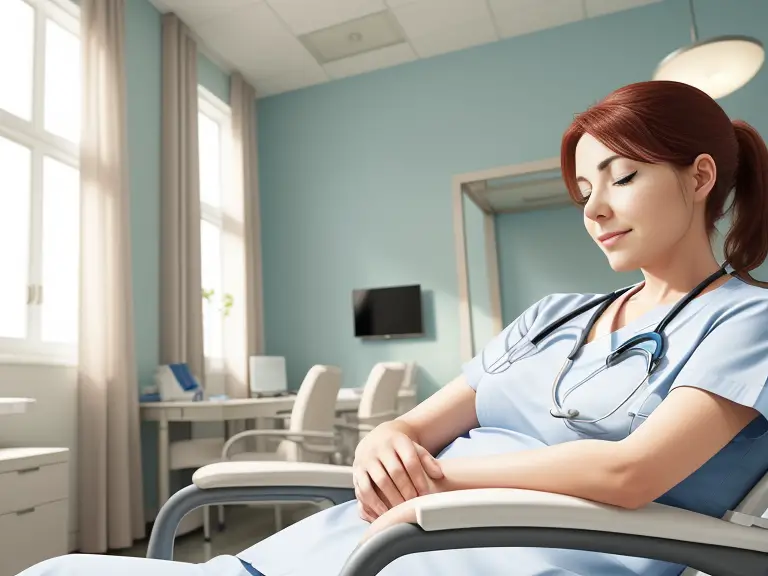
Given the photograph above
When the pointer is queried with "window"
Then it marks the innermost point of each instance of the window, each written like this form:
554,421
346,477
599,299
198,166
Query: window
213,123
39,179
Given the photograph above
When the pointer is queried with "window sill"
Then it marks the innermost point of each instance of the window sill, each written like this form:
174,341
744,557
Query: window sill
34,360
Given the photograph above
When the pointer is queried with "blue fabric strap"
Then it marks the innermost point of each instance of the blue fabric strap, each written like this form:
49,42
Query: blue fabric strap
250,569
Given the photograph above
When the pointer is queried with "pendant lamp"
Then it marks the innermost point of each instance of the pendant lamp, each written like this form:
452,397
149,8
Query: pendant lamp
718,66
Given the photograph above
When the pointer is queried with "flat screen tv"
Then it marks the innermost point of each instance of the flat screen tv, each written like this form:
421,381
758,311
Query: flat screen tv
391,312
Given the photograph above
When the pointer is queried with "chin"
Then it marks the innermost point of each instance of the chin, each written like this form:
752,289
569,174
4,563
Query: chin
622,262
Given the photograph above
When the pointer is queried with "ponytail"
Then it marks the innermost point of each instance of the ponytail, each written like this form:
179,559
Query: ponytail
746,244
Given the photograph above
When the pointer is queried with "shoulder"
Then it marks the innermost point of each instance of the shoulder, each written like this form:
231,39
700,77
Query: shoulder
737,302
555,306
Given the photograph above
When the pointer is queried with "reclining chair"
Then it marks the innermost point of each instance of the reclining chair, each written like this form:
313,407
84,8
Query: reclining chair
736,545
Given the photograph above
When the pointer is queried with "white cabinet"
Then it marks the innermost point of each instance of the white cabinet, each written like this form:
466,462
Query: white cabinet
34,506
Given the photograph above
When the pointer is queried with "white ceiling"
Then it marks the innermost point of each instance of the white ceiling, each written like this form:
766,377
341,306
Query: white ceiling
265,39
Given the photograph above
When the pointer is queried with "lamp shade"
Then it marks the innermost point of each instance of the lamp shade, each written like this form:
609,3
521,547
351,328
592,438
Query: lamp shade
717,66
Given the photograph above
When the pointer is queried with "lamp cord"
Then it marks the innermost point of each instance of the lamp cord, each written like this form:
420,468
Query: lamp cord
694,31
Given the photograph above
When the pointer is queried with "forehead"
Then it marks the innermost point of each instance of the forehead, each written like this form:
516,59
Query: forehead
589,153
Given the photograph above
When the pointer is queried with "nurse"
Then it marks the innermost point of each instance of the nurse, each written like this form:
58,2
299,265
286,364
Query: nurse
680,417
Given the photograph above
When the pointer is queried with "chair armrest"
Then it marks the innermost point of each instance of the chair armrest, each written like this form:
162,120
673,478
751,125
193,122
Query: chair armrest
238,482
245,474
530,508
296,436
354,427
514,518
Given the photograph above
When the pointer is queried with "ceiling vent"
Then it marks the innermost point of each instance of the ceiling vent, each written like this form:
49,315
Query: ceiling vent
354,37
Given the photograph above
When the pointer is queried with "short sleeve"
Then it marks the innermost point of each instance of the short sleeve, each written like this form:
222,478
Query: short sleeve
498,347
732,359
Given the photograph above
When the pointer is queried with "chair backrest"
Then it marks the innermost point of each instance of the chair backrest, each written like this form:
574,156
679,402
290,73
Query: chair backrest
378,402
313,411
755,503
408,380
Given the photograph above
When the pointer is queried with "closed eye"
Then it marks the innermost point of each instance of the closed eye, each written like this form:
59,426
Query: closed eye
626,179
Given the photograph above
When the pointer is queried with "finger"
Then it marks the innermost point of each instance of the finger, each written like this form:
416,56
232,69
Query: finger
368,495
383,481
430,463
365,512
413,466
399,475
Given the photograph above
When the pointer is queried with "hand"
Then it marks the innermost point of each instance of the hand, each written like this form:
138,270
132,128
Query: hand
402,514
389,469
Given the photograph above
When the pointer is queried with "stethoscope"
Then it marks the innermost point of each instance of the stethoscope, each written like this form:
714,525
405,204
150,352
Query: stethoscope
653,359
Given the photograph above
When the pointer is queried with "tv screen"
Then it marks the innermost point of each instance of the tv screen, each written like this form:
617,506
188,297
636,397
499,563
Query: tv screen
388,312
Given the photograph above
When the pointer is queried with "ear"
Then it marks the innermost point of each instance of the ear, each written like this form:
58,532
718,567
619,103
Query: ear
704,174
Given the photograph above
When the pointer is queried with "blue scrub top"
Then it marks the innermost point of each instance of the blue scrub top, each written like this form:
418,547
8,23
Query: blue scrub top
718,342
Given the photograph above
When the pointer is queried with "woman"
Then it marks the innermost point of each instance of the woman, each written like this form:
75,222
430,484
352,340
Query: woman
652,166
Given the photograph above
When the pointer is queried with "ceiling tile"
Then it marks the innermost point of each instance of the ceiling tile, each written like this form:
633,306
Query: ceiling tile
515,17
382,58
397,3
304,16
194,12
354,37
425,17
254,39
466,35
600,7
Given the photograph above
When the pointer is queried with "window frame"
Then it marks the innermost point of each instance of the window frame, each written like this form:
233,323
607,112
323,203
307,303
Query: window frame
32,135
217,110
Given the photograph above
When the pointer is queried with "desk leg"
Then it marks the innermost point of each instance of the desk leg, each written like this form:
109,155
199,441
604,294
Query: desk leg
163,465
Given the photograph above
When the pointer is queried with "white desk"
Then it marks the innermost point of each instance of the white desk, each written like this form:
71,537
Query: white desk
228,410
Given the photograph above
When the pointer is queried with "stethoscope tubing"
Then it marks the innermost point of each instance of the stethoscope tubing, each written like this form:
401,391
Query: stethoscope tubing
602,303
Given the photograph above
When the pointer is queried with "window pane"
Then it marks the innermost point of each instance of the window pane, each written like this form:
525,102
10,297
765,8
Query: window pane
62,82
15,171
210,160
17,47
61,257
210,250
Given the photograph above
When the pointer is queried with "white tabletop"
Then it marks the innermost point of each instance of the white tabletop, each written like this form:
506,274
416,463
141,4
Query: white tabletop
15,405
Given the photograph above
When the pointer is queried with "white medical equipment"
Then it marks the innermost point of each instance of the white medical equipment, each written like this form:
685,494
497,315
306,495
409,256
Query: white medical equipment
176,382
631,346
736,545
267,375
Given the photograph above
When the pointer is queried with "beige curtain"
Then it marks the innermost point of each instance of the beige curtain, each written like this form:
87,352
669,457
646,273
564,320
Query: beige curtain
181,309
110,498
244,328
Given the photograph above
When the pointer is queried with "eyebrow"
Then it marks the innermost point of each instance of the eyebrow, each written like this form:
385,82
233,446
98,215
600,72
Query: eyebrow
600,167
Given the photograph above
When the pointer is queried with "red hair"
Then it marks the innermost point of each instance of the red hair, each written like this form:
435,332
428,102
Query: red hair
672,122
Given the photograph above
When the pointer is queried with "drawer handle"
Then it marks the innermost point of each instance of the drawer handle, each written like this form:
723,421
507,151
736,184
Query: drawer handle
25,511
28,470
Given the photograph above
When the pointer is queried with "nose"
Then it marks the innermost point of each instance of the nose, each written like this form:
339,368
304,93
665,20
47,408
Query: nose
597,206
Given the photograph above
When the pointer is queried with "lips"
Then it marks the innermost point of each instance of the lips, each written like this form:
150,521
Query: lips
610,237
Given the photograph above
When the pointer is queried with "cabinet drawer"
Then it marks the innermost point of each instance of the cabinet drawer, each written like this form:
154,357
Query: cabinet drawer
32,486
33,535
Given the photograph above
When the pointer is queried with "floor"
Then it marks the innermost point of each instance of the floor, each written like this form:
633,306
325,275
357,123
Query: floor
245,525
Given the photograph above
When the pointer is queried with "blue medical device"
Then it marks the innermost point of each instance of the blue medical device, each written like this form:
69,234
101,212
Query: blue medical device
632,345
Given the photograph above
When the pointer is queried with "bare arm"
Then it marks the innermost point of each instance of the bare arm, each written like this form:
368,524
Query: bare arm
441,418
687,429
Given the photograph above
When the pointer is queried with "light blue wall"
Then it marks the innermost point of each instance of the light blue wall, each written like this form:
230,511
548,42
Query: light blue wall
549,251
143,67
356,174
143,46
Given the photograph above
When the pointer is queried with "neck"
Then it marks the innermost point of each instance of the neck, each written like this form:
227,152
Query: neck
671,278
